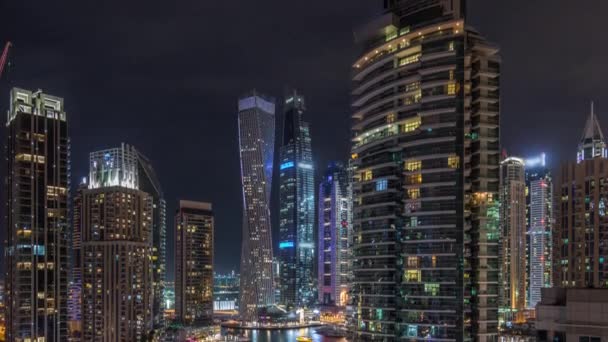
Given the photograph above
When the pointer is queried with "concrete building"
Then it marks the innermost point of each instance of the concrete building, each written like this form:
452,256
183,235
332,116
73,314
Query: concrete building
194,227
580,252
256,124
572,315
513,230
37,190
425,152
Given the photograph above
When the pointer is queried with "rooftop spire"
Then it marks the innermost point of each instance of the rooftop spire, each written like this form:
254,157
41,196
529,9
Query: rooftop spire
592,143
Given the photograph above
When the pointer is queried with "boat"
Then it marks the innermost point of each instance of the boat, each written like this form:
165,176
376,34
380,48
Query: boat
303,339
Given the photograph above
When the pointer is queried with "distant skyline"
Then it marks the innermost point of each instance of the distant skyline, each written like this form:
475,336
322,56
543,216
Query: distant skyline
165,79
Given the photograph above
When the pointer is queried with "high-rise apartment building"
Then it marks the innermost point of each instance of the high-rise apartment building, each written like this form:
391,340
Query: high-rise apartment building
426,159
256,124
334,224
580,253
539,199
126,166
115,222
297,207
37,192
513,231
194,263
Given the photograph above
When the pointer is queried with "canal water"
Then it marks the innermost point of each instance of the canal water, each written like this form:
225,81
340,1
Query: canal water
286,335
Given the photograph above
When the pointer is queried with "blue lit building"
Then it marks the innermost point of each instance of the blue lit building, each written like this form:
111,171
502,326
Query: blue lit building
256,147
334,219
297,207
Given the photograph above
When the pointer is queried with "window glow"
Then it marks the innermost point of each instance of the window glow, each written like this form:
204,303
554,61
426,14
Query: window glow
286,244
368,175
381,185
286,165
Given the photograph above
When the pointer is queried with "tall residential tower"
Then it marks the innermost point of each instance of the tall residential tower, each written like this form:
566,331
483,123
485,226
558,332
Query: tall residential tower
539,199
194,263
256,150
115,222
37,193
513,232
297,207
580,252
425,154
334,224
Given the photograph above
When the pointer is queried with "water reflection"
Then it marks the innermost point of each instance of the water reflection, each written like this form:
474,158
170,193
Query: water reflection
283,335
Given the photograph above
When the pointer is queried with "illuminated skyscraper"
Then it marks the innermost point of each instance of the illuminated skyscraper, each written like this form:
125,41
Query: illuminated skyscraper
425,154
297,207
115,219
256,149
194,263
334,223
513,228
37,192
580,253
125,166
539,199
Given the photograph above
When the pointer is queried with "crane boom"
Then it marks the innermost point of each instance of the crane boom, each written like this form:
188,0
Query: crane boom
4,57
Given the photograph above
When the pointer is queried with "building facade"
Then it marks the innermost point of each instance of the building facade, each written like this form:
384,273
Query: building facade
37,193
226,291
297,207
513,259
334,224
539,199
113,248
194,230
426,156
125,166
256,124
580,254
565,314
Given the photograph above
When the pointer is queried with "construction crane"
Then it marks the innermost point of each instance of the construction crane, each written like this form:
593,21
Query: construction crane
4,58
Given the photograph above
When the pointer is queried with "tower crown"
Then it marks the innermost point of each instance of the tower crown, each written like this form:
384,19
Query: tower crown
592,143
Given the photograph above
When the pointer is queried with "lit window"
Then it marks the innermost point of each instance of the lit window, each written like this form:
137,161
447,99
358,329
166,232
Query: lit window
416,178
354,156
451,75
391,118
411,125
451,88
451,46
414,221
412,86
410,59
453,162
413,193
413,165
412,261
415,98
431,289
381,185
368,175
413,275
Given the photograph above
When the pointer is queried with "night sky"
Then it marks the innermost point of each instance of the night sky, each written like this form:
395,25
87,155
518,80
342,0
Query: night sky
164,76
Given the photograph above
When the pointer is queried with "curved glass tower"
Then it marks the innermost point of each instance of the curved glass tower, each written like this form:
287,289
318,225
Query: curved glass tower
256,143
297,207
425,154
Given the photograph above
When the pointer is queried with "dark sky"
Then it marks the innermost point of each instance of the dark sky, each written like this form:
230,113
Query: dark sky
165,75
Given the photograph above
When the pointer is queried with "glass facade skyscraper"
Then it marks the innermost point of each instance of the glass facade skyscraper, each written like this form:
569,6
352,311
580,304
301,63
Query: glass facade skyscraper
256,123
513,232
539,200
334,220
297,207
425,155
37,193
